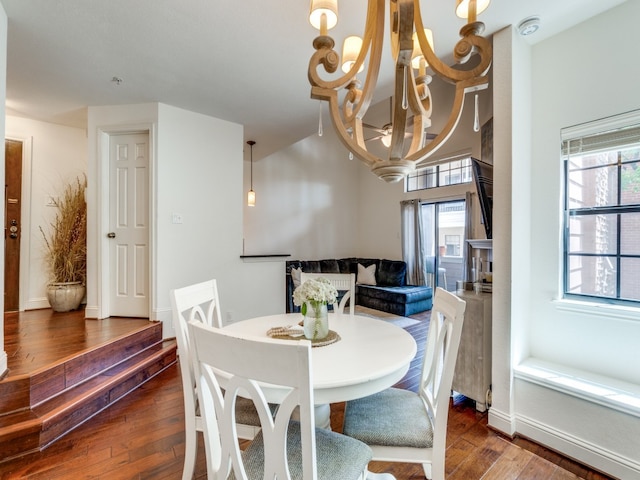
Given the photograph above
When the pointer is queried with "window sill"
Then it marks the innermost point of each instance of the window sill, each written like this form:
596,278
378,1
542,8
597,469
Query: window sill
599,309
609,392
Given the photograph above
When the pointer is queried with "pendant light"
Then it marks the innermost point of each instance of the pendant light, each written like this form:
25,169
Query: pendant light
251,196
412,51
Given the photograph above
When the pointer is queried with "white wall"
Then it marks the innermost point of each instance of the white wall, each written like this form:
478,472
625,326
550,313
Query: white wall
199,175
196,172
54,156
313,203
379,226
306,198
583,74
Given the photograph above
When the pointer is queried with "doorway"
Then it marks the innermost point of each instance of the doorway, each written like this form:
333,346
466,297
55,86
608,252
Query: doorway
13,223
128,230
443,243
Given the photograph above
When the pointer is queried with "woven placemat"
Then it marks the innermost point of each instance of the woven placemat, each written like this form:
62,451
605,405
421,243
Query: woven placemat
283,334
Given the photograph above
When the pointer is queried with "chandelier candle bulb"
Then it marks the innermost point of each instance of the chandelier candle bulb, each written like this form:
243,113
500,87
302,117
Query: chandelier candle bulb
464,7
350,51
323,15
417,58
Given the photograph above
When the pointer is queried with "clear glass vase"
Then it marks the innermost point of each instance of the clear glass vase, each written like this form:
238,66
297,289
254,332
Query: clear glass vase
316,321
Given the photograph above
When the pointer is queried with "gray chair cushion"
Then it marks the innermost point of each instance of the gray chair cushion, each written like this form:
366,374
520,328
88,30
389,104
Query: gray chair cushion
338,456
393,417
247,414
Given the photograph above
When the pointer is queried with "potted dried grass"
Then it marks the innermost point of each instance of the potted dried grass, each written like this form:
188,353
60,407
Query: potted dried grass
66,248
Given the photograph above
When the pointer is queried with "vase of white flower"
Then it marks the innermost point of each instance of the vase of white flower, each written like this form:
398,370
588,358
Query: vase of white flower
316,320
313,296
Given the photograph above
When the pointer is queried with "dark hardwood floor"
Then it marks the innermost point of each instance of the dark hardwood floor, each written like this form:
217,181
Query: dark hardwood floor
142,435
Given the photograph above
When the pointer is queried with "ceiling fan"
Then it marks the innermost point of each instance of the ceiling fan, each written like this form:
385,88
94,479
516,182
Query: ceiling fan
384,132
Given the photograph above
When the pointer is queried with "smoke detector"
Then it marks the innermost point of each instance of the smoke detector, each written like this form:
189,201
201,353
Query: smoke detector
529,25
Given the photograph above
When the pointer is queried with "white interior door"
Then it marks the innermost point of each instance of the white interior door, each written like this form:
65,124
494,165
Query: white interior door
129,224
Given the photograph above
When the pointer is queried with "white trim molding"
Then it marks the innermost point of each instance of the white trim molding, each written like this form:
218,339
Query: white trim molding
609,392
502,422
577,448
588,417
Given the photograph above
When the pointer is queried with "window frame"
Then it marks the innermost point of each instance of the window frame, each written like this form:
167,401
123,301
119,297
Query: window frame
605,135
441,167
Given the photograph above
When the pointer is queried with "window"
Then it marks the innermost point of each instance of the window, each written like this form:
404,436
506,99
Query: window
450,173
452,244
602,210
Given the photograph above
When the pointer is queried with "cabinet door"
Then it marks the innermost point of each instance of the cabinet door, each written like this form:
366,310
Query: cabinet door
472,377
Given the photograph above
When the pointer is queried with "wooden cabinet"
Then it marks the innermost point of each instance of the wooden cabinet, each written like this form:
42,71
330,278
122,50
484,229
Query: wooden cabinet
472,377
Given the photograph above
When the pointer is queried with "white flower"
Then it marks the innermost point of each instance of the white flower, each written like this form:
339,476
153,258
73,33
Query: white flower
315,290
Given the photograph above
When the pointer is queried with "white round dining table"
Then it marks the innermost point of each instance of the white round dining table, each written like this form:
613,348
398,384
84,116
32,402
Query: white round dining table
370,356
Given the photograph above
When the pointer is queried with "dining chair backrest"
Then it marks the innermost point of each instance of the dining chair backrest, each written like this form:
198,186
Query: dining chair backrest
443,340
414,429
199,302
344,282
250,365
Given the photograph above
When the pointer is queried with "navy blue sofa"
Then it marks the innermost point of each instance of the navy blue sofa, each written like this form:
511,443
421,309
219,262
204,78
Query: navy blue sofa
391,294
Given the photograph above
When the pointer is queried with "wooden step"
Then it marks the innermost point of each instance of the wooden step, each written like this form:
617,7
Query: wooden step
42,406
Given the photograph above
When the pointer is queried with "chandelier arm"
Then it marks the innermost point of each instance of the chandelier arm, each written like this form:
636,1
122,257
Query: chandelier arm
421,115
462,88
374,38
468,43
331,96
372,47
401,17
374,23
399,121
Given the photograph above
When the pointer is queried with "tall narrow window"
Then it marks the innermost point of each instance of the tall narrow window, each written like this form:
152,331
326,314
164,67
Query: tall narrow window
602,210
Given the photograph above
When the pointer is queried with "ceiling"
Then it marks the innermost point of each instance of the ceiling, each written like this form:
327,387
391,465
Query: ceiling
244,61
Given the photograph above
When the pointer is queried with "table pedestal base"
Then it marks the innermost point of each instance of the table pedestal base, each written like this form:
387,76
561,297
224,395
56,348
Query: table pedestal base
322,415
380,476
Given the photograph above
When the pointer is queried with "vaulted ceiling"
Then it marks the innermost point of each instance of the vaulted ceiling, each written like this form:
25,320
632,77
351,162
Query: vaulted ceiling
244,61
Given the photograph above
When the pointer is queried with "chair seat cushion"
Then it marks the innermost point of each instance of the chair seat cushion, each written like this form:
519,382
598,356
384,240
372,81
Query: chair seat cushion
393,417
337,456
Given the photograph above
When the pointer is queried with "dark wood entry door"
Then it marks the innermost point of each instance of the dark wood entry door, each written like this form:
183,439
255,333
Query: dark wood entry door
12,226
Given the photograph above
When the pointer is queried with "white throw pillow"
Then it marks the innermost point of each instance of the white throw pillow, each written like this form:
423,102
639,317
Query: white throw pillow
295,276
366,276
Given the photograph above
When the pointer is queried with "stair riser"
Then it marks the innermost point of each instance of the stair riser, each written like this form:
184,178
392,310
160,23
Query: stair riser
58,425
38,409
24,392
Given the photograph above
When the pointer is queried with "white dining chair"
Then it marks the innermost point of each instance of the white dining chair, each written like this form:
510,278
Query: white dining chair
201,302
344,282
403,426
284,448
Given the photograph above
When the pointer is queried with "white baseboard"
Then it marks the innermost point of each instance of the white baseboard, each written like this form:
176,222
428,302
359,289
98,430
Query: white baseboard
501,421
37,304
585,452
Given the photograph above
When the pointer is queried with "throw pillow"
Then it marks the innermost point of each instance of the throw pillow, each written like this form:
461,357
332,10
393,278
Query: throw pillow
366,275
392,273
295,276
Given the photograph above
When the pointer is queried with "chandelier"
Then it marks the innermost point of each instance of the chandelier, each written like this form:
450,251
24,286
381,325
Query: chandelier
412,51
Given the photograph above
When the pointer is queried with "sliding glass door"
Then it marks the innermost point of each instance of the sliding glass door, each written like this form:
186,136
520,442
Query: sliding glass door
443,243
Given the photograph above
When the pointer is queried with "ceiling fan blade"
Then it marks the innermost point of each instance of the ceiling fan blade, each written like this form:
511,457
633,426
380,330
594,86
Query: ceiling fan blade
374,137
371,127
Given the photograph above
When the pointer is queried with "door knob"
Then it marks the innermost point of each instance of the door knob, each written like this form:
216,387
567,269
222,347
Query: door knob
111,235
